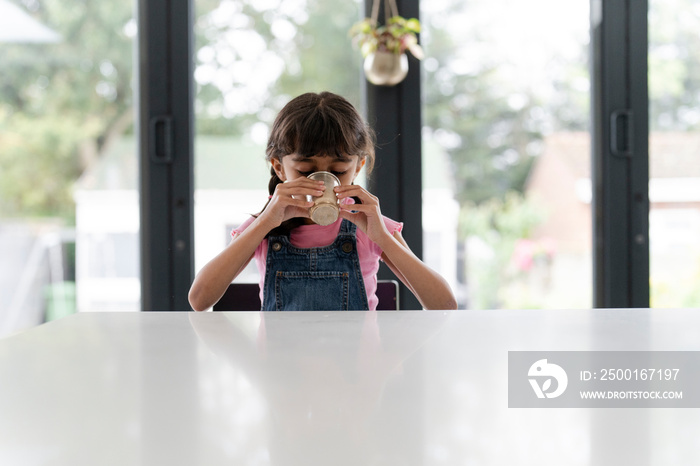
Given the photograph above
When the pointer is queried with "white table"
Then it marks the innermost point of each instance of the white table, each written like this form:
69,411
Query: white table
355,388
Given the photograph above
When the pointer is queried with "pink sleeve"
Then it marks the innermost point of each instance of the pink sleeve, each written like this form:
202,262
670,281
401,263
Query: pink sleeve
244,225
392,225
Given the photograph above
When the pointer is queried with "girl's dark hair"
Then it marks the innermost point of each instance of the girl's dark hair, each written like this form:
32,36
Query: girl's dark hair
323,124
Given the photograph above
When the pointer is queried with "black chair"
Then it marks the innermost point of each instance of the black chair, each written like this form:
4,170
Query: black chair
246,297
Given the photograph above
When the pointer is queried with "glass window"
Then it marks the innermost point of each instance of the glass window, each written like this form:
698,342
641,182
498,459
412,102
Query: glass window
252,57
507,149
674,143
67,161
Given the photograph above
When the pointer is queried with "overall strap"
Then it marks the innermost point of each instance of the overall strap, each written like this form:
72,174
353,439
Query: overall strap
347,228
281,237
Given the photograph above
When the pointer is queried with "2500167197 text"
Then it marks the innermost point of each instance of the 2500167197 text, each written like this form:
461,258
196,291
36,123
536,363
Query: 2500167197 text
632,374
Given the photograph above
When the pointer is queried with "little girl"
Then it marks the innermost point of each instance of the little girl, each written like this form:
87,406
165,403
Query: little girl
305,266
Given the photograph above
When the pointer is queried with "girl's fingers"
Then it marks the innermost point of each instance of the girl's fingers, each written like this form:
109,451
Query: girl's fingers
346,189
298,212
364,208
356,191
303,203
295,202
350,216
312,188
306,184
370,212
303,182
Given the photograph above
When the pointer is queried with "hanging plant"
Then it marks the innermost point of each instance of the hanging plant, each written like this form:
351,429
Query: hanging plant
384,47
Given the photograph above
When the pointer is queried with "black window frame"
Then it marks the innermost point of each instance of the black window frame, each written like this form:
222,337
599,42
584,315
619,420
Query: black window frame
620,161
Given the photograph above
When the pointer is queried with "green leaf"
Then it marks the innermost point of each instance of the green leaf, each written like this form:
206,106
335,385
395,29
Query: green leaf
413,25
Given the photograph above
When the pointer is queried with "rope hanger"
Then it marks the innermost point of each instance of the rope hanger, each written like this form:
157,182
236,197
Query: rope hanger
390,10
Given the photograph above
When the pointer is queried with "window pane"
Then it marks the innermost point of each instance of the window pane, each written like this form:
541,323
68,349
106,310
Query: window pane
68,209
507,151
674,141
252,57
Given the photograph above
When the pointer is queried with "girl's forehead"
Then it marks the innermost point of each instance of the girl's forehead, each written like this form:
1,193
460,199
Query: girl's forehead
335,158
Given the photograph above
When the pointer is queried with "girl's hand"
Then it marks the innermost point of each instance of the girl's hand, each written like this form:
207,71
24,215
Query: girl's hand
367,216
289,201
432,291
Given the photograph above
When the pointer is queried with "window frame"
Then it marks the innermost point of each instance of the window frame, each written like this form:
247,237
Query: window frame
620,172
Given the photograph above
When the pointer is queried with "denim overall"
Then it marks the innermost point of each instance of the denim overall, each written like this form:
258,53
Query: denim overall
314,279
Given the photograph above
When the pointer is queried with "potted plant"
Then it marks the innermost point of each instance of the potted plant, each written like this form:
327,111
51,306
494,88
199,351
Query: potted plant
384,47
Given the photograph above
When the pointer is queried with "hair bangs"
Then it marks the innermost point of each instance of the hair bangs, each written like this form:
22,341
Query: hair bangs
320,134
322,124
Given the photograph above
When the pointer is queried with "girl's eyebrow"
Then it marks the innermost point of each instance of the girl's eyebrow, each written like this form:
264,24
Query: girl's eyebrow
303,158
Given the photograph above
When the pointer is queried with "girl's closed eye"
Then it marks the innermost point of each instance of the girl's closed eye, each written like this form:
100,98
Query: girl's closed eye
339,173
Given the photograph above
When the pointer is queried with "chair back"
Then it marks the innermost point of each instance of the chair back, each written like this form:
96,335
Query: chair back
240,297
246,297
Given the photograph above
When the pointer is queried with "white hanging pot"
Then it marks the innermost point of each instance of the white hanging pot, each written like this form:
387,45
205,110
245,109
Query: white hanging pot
386,68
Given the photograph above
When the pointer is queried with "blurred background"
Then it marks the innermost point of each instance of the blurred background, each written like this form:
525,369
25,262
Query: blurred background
506,134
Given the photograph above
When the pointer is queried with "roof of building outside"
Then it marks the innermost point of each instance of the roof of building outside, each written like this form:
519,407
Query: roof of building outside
671,154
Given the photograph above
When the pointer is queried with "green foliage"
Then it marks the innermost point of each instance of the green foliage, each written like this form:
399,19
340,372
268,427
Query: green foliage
37,161
491,129
510,217
676,290
493,228
84,85
324,58
674,66
90,70
295,51
496,142
59,103
397,36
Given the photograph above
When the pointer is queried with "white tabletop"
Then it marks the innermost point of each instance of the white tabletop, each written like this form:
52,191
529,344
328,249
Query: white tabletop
316,388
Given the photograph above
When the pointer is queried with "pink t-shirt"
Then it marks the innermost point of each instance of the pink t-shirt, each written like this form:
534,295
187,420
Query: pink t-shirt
314,236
